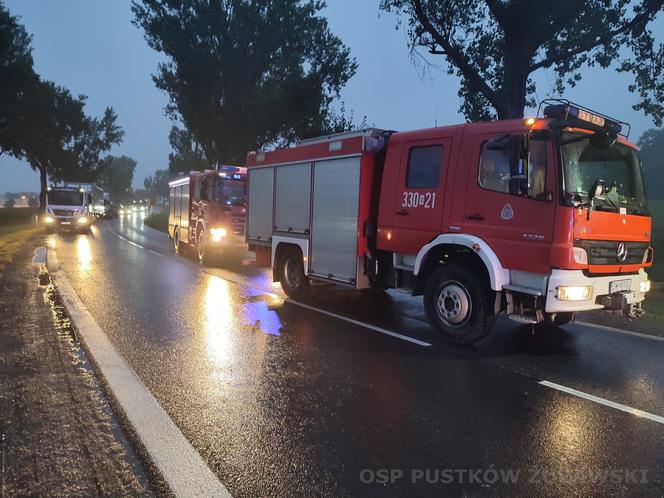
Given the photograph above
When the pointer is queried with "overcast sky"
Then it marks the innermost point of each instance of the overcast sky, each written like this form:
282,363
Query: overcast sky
92,48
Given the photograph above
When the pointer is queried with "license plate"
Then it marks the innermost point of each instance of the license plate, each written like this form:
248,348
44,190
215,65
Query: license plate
620,286
65,222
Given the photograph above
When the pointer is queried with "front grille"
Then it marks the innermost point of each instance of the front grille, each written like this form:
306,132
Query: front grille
237,224
63,212
605,252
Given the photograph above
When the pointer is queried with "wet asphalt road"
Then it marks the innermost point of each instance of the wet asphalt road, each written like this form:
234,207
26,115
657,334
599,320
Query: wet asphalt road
281,400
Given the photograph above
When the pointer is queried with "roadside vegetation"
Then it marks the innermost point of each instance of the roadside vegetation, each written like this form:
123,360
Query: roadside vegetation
158,220
12,243
657,271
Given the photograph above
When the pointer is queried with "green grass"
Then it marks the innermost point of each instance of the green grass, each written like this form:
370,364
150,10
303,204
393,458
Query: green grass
12,243
6,229
158,221
16,216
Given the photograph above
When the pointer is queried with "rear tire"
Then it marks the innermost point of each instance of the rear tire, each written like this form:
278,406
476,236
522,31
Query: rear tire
176,241
291,274
457,304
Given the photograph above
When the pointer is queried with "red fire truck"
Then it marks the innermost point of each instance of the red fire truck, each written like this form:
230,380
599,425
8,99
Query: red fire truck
538,218
207,210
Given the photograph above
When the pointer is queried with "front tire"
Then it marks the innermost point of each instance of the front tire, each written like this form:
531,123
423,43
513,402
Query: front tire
293,280
205,256
457,304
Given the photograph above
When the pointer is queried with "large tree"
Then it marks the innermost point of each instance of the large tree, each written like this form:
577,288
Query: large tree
43,123
16,73
187,154
117,174
495,46
242,74
51,119
157,185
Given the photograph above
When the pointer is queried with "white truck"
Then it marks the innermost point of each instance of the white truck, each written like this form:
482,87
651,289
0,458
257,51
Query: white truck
73,206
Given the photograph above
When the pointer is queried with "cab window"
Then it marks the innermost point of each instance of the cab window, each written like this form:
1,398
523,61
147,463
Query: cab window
424,165
506,166
494,169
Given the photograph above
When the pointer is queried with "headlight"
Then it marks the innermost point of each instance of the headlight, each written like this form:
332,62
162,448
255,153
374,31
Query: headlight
82,220
217,234
644,286
575,293
580,256
48,219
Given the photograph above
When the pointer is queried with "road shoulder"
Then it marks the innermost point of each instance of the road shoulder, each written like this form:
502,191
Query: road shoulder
58,433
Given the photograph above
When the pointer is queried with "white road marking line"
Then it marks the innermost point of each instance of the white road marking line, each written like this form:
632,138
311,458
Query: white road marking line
605,402
362,324
178,462
619,331
131,242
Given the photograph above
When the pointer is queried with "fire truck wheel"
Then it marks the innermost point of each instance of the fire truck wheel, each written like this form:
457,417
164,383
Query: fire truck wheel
456,303
176,241
559,318
293,280
205,255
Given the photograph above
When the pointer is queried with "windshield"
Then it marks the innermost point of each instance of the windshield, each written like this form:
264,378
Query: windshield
230,193
585,165
65,198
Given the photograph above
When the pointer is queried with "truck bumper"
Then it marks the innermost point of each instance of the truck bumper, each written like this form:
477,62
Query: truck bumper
601,298
67,223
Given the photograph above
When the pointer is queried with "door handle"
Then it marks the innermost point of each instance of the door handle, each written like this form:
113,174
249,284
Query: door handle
403,212
475,216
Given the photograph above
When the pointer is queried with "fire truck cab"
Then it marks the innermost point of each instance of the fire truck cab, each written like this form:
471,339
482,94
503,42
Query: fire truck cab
538,218
207,210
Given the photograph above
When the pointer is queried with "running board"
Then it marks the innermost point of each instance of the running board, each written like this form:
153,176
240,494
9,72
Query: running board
523,318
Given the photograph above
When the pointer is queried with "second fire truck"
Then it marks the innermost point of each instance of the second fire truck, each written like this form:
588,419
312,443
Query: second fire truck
207,210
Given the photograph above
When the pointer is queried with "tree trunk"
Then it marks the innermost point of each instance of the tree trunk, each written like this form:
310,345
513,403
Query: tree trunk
516,67
43,188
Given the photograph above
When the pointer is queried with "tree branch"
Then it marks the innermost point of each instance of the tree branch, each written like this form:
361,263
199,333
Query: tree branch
455,54
638,19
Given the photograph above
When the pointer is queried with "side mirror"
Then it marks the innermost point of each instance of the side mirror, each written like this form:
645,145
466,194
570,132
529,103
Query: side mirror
518,157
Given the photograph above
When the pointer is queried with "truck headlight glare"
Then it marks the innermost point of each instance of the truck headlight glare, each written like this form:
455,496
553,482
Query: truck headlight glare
48,219
218,234
575,293
83,220
644,286
580,256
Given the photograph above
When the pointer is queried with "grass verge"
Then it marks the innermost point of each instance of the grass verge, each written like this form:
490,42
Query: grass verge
158,221
12,243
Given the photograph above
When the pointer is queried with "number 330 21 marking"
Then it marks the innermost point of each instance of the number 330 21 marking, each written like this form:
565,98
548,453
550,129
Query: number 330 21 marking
415,199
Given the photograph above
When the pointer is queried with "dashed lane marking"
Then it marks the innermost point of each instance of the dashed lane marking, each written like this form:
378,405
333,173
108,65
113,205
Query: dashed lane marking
328,313
605,402
362,324
620,331
178,462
